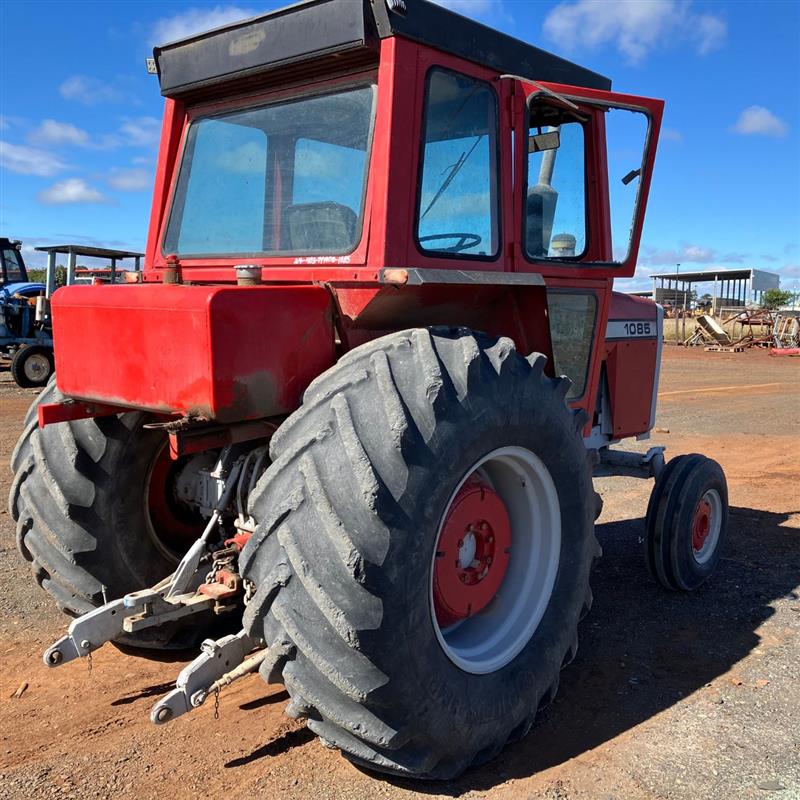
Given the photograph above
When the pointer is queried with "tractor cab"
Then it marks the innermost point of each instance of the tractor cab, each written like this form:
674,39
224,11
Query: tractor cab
400,135
12,265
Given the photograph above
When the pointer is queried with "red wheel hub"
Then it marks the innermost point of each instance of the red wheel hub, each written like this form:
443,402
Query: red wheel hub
176,527
472,553
701,525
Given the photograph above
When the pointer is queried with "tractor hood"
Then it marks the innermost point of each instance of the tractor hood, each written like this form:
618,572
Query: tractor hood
24,287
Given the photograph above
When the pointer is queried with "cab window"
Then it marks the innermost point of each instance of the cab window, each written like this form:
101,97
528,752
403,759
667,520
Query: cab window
555,198
626,138
13,266
556,205
285,178
572,317
457,206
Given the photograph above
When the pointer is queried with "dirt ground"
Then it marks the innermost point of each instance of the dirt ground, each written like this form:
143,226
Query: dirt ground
670,696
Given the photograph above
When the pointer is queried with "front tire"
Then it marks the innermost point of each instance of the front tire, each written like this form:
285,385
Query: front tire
32,366
687,522
350,519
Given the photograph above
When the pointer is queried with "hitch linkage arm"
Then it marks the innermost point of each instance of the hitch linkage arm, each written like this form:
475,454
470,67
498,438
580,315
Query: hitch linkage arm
129,614
171,599
219,664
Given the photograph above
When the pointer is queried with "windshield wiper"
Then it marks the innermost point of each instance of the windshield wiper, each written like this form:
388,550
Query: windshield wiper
454,170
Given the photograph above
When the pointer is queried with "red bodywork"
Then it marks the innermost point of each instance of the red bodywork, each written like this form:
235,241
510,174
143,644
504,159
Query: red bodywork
239,353
215,352
631,363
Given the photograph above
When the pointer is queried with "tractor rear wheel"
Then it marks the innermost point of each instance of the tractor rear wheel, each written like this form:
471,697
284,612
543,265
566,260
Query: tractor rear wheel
94,512
32,366
422,555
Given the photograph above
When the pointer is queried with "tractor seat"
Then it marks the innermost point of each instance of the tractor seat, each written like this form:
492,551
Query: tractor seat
327,226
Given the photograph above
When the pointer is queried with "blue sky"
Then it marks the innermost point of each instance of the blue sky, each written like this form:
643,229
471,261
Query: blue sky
80,118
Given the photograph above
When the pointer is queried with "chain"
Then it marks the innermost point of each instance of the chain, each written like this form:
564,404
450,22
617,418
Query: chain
216,703
89,662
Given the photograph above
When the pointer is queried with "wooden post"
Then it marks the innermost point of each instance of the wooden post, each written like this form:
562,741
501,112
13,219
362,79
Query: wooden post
685,300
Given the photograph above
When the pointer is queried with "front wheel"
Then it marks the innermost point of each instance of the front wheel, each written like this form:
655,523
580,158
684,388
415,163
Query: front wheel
423,550
32,366
687,522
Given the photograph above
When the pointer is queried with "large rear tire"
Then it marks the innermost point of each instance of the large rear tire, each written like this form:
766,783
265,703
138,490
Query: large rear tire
351,517
82,521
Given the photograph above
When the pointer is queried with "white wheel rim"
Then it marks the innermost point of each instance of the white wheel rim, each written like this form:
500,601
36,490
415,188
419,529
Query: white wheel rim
36,367
493,637
704,554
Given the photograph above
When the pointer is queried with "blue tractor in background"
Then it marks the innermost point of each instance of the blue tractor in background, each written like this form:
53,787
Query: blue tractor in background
26,335
23,339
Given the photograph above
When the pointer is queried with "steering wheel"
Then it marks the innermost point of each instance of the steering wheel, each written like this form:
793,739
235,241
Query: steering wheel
465,241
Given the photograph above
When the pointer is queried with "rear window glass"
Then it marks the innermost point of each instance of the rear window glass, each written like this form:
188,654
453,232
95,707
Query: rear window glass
282,178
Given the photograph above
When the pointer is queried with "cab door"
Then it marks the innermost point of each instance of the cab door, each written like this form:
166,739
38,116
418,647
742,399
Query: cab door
585,161
583,166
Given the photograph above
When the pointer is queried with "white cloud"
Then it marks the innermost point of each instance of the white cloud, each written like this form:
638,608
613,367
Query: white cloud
71,190
709,32
687,254
671,135
89,91
50,131
29,160
131,180
141,131
635,27
469,7
756,120
133,132
9,121
196,20
493,12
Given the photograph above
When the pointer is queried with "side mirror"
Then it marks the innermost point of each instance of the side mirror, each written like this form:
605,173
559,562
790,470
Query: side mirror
544,141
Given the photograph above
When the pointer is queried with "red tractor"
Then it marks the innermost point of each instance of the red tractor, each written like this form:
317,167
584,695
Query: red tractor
372,365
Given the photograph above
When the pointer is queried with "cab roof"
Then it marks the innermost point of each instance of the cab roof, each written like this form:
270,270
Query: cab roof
346,34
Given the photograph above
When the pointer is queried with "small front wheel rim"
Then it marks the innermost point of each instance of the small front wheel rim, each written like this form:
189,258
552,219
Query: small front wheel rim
524,497
706,526
36,368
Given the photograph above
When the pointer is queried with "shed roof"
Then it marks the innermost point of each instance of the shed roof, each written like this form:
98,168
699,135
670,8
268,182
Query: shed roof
88,252
759,279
